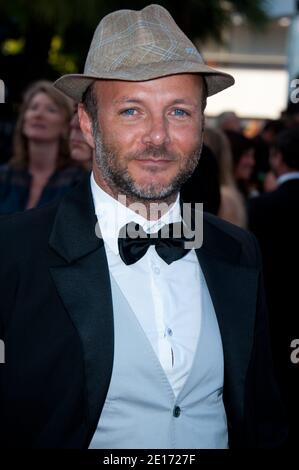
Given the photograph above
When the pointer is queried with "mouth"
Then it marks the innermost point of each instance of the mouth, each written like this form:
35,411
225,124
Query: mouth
78,143
154,163
39,126
155,160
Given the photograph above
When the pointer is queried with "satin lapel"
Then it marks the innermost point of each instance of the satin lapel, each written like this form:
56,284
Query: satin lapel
83,284
233,290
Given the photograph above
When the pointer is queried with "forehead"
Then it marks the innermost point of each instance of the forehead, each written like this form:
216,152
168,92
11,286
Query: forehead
174,87
41,97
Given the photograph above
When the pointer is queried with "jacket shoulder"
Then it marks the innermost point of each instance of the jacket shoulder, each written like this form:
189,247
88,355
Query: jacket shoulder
23,245
231,242
23,228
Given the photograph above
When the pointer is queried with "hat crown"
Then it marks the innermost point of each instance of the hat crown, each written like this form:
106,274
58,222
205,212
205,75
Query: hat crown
127,39
137,46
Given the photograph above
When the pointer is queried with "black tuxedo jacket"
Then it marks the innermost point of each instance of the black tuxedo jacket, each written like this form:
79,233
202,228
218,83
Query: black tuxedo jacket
273,217
57,324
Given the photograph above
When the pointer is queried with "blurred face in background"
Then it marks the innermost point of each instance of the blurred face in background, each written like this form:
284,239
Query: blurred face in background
245,165
230,121
80,151
43,119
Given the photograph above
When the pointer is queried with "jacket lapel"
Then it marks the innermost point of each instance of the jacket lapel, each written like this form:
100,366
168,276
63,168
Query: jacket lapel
233,290
83,283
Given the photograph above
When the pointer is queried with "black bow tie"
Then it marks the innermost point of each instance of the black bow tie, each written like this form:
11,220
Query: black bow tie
133,242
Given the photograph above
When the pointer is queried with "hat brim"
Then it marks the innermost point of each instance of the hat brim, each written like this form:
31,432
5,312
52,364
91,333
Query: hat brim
74,85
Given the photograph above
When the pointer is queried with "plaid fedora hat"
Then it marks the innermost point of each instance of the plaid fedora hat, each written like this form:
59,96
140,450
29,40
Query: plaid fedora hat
137,46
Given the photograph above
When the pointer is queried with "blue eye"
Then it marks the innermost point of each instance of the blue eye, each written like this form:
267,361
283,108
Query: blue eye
180,112
129,112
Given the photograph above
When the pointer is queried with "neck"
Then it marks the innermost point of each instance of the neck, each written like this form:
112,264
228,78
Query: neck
42,156
152,209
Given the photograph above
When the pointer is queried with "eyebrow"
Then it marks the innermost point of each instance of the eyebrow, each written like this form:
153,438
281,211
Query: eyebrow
127,99
183,101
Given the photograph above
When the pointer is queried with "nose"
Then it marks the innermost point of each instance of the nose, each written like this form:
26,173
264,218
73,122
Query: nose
157,132
39,112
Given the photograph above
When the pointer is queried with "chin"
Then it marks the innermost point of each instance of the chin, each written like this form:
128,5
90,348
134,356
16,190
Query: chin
153,190
39,137
156,178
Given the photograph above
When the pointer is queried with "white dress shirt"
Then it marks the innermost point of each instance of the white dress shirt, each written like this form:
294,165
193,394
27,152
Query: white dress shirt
292,175
166,299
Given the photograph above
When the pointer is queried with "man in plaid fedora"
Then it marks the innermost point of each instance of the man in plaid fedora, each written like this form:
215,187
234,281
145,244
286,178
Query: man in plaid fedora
119,333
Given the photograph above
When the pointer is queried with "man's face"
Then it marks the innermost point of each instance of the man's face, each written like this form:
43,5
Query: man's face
148,136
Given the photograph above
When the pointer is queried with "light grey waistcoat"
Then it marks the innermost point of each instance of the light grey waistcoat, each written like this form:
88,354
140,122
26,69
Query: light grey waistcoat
141,410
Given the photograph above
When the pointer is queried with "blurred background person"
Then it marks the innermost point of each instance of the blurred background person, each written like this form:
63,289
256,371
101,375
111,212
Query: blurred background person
273,218
242,150
41,169
269,182
232,207
229,121
80,151
264,176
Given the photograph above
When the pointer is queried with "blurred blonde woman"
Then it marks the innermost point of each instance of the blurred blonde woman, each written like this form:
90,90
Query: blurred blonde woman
232,206
41,169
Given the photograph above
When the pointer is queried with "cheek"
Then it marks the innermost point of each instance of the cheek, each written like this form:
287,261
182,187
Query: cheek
186,141
248,163
27,118
122,141
59,121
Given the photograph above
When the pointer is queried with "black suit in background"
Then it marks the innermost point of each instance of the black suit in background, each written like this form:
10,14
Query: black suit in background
57,323
273,217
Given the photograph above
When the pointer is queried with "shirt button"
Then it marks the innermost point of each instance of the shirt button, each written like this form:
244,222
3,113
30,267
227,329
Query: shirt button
169,331
176,411
156,270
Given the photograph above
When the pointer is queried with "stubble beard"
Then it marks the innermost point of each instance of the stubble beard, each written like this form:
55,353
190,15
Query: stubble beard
119,181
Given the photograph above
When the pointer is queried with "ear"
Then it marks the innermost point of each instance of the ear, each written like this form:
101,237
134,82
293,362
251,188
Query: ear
86,125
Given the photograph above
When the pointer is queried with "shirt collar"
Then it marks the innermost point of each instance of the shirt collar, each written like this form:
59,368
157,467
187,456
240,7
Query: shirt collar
112,215
292,175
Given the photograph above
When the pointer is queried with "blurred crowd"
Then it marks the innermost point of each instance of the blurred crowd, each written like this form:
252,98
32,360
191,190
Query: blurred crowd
251,182
48,155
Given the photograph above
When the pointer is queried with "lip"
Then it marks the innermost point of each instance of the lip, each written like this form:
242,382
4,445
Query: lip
78,143
154,161
38,125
